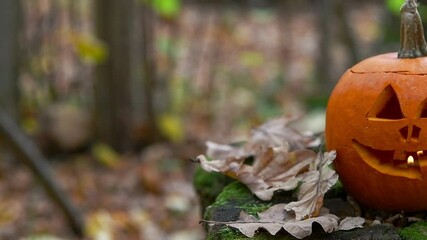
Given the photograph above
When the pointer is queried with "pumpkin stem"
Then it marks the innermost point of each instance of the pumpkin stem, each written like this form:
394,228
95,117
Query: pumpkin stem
412,41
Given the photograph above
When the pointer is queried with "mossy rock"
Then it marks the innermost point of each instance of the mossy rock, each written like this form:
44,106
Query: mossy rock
378,232
236,197
227,233
209,185
416,231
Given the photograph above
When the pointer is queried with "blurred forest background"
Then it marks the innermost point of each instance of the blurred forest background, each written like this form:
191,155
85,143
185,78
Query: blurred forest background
119,94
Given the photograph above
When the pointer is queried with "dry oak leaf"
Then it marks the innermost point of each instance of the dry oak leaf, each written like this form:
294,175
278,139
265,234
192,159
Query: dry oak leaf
278,133
303,228
223,151
315,183
273,169
274,133
276,218
271,220
349,223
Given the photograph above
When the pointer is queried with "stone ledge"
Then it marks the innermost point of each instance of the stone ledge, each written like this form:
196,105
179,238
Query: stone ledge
233,198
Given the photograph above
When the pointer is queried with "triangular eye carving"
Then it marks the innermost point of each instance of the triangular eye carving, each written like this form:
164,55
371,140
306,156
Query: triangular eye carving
387,106
422,113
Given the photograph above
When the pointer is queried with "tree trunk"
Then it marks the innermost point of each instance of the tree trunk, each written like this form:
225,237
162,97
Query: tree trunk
124,85
145,82
9,27
324,11
112,86
348,36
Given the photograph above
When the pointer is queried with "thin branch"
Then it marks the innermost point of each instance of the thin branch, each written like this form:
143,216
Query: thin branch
29,154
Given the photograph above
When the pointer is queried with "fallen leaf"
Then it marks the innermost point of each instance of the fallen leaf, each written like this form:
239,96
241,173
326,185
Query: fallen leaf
274,166
89,48
271,220
177,203
228,166
222,151
314,185
100,225
106,155
276,218
171,126
281,160
349,223
277,133
303,228
273,169
186,235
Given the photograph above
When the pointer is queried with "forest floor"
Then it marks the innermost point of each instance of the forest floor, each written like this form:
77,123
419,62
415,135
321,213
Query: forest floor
133,199
149,195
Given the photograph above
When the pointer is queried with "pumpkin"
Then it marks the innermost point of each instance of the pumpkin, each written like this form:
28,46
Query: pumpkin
376,120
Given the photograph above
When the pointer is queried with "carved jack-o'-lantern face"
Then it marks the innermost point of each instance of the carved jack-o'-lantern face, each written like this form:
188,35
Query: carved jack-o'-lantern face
377,122
402,155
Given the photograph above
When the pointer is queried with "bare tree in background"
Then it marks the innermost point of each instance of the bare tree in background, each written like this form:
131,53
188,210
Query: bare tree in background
330,12
10,13
324,11
124,84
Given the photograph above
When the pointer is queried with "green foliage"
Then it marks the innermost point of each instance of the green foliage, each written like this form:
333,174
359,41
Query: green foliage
90,49
167,45
30,125
268,103
167,8
251,58
105,155
316,102
415,231
422,9
394,6
172,127
267,108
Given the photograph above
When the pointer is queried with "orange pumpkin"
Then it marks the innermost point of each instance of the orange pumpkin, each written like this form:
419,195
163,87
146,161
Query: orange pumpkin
376,120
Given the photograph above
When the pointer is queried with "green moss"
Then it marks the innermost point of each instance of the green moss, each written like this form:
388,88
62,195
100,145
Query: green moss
235,191
227,233
238,196
234,198
211,182
416,231
337,191
209,185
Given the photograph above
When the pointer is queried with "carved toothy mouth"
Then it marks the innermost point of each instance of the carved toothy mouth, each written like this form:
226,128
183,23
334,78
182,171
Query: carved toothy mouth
392,162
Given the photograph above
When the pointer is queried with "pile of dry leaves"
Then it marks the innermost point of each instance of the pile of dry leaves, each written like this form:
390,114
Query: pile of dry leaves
283,159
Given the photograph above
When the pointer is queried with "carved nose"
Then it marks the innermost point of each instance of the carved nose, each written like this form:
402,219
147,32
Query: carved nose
410,133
